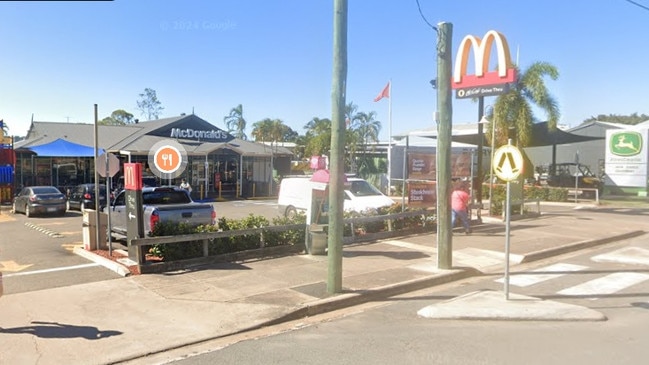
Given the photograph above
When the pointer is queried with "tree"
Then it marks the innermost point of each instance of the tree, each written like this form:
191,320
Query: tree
149,105
235,122
367,127
351,114
364,130
272,130
632,119
513,110
118,117
318,137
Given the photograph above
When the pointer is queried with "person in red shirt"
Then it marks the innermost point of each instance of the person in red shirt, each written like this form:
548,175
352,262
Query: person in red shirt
459,206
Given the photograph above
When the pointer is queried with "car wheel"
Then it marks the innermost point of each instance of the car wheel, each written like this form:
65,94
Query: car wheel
28,212
291,212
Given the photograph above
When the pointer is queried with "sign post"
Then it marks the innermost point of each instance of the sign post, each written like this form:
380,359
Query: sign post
134,210
107,166
508,165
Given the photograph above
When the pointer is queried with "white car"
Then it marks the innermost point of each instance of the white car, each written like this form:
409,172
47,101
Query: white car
360,195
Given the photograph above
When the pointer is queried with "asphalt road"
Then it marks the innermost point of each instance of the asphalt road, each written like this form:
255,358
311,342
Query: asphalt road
36,252
612,279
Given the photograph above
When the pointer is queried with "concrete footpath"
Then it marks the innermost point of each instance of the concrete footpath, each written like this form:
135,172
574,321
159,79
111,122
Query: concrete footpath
125,319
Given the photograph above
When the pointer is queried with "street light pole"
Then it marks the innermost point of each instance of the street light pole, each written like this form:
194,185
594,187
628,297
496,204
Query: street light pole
491,165
484,120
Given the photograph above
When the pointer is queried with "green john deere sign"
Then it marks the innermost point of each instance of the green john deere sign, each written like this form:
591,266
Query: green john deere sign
625,143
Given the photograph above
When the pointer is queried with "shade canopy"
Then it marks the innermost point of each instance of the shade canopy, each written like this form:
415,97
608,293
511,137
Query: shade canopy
541,136
63,148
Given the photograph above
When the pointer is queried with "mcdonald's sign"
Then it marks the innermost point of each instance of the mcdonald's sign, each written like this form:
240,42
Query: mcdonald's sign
483,82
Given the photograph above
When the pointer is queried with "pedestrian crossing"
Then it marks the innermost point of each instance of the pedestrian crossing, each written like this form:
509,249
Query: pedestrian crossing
608,284
590,281
543,274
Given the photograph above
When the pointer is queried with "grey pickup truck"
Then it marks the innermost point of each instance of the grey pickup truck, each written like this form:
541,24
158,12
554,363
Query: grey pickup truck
161,204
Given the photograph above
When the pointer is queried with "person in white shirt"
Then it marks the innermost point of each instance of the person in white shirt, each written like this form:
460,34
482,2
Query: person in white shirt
185,186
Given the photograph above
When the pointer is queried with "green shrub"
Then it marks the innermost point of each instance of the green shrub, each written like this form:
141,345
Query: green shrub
290,237
175,251
558,195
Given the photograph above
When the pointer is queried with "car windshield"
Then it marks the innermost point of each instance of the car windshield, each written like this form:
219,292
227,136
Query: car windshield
102,188
166,197
363,188
46,190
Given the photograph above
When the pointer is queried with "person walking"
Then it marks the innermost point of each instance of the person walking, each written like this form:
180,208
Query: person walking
460,207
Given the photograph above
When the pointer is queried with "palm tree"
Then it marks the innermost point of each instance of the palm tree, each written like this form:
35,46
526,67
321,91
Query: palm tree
271,130
513,110
366,130
319,136
351,114
367,127
5,127
235,122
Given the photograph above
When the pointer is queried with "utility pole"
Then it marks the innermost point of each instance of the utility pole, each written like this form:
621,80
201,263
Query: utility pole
337,168
443,155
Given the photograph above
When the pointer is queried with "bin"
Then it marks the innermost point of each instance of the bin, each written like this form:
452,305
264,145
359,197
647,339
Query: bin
317,241
89,230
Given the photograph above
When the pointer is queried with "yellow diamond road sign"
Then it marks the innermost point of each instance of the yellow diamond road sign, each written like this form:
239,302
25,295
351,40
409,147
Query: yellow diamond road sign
507,163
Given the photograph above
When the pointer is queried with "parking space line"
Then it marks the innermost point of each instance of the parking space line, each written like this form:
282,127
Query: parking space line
44,271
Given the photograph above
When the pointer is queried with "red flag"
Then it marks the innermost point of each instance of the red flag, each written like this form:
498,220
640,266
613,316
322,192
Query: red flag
385,93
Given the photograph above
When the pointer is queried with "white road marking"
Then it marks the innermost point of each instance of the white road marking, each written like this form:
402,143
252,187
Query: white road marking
410,245
538,275
83,266
606,285
627,255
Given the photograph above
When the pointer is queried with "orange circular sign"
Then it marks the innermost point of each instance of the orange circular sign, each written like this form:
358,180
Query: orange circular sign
167,159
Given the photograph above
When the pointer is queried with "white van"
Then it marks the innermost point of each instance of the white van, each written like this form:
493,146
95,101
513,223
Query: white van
359,195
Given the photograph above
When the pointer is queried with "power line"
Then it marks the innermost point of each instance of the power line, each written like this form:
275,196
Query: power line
634,3
423,17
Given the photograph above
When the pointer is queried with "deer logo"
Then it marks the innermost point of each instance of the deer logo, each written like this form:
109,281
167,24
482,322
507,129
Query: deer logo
626,143
623,143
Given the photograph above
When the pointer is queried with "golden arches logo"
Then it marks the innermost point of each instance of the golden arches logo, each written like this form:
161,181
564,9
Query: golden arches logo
482,50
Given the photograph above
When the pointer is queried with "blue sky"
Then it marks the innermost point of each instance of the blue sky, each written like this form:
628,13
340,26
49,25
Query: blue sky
275,57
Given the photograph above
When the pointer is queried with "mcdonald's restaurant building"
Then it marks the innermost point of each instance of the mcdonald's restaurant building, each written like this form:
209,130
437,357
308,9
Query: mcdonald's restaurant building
219,165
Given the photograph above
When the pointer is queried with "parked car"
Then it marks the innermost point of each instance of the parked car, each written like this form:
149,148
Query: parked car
82,197
161,204
360,195
40,200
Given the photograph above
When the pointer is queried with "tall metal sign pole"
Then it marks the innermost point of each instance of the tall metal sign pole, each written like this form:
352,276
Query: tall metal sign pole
337,166
443,155
508,165
96,178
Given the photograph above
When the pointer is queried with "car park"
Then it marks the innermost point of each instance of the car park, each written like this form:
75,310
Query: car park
43,200
82,197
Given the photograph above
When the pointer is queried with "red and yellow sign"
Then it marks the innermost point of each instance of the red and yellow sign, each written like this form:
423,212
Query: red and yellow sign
505,73
132,176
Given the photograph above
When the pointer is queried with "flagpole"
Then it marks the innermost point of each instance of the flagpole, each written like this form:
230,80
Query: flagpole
390,137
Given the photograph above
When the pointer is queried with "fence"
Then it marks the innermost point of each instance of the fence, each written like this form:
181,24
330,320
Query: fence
393,229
